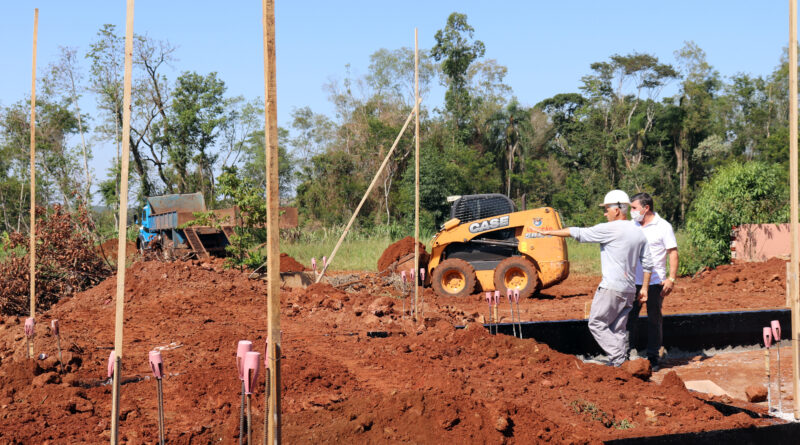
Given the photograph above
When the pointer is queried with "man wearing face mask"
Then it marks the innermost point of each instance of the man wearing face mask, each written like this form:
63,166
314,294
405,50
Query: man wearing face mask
622,246
662,244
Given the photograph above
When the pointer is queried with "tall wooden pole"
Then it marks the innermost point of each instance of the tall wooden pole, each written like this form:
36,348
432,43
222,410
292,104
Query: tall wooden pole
32,245
123,221
416,169
273,252
795,266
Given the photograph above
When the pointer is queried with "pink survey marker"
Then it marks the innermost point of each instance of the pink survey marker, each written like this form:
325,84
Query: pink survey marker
156,364
314,264
509,293
111,359
252,363
29,323
767,336
242,349
497,297
516,296
54,327
776,330
422,274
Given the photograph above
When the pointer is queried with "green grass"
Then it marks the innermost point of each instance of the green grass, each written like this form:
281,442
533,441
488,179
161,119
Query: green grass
356,254
361,251
584,258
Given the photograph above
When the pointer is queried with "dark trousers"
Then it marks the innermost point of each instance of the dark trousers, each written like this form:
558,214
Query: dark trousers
654,319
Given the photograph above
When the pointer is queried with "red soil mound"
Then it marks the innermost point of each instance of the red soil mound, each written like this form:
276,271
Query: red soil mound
425,383
108,250
397,250
289,264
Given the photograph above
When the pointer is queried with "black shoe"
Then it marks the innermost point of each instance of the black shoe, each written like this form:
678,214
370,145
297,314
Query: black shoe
654,366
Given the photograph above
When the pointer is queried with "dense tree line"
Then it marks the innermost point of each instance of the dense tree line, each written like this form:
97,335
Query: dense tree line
620,130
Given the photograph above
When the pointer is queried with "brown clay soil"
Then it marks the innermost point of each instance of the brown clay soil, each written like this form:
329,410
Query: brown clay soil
398,250
289,264
426,382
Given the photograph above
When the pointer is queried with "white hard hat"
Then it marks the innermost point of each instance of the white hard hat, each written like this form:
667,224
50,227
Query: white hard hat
615,197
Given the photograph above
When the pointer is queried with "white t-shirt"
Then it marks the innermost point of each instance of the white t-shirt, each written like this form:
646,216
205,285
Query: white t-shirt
660,238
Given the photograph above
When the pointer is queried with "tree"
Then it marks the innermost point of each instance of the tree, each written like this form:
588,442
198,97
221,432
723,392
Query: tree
456,49
193,123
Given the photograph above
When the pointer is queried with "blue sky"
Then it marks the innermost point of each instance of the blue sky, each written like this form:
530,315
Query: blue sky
547,46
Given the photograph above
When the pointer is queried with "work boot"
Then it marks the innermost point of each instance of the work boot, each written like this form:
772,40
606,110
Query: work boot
654,366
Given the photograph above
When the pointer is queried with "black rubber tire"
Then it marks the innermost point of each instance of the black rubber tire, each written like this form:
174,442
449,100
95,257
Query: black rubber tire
451,268
518,267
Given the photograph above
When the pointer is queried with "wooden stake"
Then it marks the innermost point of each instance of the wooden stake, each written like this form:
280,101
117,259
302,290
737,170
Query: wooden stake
416,170
123,221
795,228
366,194
32,244
273,383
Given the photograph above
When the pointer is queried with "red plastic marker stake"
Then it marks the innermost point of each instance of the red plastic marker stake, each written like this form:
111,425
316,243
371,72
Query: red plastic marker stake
252,363
157,366
54,329
29,332
242,348
767,332
111,360
776,335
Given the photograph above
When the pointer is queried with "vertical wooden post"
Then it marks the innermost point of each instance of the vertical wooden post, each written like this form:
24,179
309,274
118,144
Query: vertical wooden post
32,244
416,171
273,262
123,222
795,266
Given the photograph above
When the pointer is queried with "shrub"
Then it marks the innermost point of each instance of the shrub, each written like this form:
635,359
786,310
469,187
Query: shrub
739,193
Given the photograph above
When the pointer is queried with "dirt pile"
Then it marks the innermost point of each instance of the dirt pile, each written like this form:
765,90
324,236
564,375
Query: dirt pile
420,382
109,248
66,261
398,250
289,264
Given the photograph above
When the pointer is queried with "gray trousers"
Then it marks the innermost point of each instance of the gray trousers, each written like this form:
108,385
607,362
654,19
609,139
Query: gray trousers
608,322
655,334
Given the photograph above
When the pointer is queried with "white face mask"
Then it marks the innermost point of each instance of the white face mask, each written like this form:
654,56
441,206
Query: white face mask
636,216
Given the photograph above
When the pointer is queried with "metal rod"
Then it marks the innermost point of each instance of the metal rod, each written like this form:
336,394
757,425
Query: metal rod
249,422
160,413
241,417
58,345
769,380
780,392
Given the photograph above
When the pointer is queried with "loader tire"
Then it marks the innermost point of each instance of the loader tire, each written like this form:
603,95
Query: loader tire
454,278
516,273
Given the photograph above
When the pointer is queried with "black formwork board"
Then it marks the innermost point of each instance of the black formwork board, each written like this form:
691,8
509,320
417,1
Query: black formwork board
787,433
688,332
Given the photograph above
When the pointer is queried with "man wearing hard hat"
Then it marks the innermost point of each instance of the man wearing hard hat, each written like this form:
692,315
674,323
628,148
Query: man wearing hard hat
623,245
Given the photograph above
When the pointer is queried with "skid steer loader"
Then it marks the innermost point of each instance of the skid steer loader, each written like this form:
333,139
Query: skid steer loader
487,245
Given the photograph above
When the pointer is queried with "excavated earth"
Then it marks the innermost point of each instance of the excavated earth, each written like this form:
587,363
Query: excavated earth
425,382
